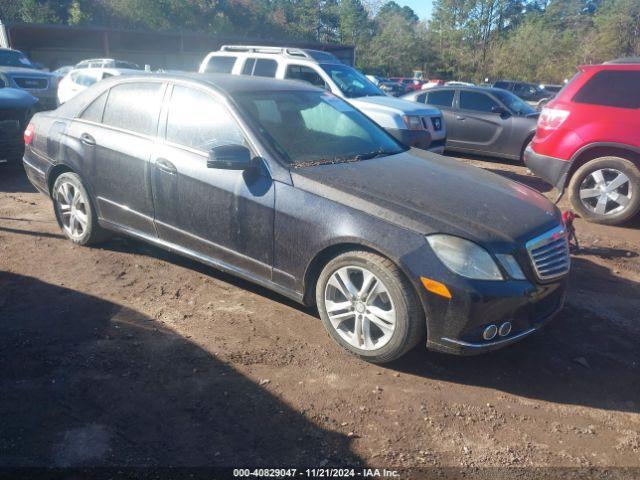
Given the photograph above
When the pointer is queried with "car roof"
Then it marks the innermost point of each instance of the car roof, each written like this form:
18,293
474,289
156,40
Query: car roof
476,88
224,82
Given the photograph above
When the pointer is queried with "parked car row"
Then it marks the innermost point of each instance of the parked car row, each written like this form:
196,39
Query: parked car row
17,71
414,125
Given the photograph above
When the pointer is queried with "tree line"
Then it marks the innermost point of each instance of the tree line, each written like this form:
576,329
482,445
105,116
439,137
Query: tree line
472,40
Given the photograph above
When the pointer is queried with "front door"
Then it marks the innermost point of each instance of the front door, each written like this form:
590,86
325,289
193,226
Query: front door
476,126
225,215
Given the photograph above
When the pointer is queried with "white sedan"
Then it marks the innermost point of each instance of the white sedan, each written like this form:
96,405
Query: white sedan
80,79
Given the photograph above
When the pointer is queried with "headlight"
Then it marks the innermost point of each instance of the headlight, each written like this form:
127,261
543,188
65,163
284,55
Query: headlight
464,257
413,122
4,81
511,266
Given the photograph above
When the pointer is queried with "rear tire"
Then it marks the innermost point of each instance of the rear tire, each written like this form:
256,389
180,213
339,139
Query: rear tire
75,212
398,322
606,190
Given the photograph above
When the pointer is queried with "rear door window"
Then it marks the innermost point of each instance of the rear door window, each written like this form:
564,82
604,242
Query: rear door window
441,98
134,107
220,64
265,68
476,101
613,88
198,120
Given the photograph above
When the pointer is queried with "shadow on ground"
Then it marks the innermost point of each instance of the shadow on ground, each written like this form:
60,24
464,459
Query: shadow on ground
87,382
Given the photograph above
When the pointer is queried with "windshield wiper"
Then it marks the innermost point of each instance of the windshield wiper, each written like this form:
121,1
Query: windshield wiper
378,153
345,159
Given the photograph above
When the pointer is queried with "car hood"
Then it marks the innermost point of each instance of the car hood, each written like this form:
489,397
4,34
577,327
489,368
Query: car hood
25,71
16,98
392,105
429,193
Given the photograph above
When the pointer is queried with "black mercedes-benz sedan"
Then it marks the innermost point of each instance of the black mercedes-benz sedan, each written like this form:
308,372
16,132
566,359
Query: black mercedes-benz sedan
290,187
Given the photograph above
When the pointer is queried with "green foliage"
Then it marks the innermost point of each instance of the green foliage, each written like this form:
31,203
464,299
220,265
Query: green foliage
536,40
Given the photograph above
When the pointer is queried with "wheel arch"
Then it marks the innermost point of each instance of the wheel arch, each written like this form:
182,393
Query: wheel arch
598,150
324,256
54,173
527,141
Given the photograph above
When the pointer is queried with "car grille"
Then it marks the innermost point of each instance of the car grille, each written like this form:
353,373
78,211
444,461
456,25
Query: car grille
549,254
31,83
436,123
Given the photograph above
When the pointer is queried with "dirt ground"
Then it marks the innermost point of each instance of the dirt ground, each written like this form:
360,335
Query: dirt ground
125,355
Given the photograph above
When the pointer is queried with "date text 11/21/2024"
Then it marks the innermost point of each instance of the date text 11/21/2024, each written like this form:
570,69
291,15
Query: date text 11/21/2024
315,473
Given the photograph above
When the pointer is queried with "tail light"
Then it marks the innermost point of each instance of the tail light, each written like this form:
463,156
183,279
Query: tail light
29,132
552,118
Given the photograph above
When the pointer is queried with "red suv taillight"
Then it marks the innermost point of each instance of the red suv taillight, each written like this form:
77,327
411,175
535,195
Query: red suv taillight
28,133
552,118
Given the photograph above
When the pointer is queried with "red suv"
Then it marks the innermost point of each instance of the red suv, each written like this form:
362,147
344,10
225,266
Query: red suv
588,142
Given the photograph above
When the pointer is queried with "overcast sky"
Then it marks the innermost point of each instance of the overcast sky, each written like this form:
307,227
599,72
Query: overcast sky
421,7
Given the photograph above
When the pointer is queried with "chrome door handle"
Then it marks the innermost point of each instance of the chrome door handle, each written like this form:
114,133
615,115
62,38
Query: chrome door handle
459,117
166,166
87,139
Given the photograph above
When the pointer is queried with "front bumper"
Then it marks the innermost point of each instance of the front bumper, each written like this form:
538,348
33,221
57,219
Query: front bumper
552,170
456,325
11,142
412,138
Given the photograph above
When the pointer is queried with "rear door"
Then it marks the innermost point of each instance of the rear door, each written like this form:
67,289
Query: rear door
226,215
260,67
117,134
476,126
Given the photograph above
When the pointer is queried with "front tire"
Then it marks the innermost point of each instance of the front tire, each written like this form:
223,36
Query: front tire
74,211
606,190
368,307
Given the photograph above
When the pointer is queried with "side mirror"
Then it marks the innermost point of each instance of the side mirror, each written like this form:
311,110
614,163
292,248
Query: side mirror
229,157
499,110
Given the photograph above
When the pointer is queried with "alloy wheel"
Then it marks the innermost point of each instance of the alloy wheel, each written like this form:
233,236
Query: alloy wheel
606,191
73,209
360,308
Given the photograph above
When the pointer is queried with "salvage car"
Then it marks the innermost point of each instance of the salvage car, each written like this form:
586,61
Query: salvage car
420,127
16,108
17,71
395,246
482,121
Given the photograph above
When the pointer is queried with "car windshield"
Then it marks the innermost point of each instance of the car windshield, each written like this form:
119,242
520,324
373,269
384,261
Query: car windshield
351,83
514,103
14,59
313,128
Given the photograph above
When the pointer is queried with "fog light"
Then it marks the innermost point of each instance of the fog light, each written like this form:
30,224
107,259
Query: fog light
505,329
490,332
